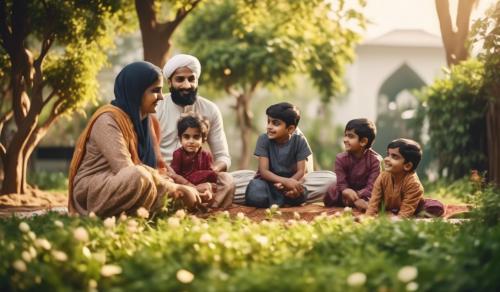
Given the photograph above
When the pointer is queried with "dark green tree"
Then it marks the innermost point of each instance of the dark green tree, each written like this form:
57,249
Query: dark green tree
50,53
245,44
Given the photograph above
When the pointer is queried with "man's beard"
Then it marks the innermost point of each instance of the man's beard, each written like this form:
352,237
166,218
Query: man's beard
183,97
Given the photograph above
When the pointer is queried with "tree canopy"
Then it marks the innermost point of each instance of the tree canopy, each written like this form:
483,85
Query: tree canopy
50,53
244,44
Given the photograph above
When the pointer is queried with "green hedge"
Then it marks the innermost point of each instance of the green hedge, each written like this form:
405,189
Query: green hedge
455,107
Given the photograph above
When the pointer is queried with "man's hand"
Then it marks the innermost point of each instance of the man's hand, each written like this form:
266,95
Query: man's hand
219,166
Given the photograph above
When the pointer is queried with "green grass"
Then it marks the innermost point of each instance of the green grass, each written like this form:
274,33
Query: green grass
185,253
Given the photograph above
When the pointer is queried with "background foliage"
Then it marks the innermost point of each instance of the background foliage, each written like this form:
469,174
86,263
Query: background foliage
455,107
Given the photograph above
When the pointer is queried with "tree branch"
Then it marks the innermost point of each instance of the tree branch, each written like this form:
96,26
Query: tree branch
5,118
170,26
3,153
54,114
463,21
445,24
46,44
49,98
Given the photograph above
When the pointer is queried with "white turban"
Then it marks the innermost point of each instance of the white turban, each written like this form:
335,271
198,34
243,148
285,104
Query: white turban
182,60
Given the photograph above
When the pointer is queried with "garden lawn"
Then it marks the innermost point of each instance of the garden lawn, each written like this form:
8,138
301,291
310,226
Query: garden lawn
185,253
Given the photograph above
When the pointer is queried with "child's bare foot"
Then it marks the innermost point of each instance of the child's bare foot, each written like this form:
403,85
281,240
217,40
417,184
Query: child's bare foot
361,204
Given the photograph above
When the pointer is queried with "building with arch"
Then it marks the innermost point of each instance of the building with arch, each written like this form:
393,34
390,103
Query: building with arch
381,82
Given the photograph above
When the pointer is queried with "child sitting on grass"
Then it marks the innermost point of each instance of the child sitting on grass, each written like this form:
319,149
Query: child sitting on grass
356,169
282,157
398,188
193,166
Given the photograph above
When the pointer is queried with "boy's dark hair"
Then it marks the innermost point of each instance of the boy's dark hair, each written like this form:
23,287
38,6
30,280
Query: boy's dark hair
193,120
286,112
409,149
364,129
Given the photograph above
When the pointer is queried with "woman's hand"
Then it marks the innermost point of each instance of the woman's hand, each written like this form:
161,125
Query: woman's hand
189,195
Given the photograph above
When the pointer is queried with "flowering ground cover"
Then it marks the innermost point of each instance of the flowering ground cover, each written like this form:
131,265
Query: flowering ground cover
180,252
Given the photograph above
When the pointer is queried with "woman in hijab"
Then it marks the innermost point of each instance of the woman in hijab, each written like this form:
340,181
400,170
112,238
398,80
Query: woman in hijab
113,169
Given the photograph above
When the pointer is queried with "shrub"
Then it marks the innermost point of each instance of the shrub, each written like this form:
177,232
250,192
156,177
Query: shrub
455,107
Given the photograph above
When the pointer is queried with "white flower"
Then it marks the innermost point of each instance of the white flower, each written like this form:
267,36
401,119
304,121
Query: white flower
412,286
180,214
173,222
92,215
205,238
24,227
184,276
240,215
356,279
26,256
407,273
223,237
20,266
132,226
274,207
100,257
110,222
348,209
86,252
110,270
32,251
32,235
59,223
43,243
143,213
92,283
263,240
225,214
81,234
296,215
123,216
60,255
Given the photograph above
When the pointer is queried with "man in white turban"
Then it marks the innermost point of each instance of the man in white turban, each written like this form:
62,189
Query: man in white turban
182,73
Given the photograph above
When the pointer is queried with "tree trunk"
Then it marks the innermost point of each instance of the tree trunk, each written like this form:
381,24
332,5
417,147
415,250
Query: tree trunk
156,47
16,161
454,41
155,35
244,118
493,134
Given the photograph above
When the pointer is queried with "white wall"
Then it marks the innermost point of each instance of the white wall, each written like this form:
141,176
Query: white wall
376,63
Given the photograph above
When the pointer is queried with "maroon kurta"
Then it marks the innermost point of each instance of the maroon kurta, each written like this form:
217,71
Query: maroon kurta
357,174
196,169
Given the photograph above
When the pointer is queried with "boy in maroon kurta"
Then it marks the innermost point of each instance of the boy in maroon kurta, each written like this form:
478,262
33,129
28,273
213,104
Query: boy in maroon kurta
398,188
193,165
356,169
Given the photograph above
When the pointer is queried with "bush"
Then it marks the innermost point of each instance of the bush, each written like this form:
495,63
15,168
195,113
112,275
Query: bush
455,107
185,253
45,180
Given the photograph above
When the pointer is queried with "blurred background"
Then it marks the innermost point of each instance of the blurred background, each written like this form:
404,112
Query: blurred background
335,60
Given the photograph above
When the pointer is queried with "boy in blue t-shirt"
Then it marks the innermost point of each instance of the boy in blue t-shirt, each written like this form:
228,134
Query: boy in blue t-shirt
282,157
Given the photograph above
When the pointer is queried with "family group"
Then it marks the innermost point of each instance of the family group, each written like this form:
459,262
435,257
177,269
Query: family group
144,147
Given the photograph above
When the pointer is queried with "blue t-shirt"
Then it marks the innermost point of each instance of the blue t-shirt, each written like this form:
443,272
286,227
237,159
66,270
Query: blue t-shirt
283,158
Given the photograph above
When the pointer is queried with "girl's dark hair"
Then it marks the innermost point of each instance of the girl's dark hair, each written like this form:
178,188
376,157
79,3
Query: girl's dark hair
193,120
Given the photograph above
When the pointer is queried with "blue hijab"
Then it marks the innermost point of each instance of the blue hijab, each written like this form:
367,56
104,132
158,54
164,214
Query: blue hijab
130,85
